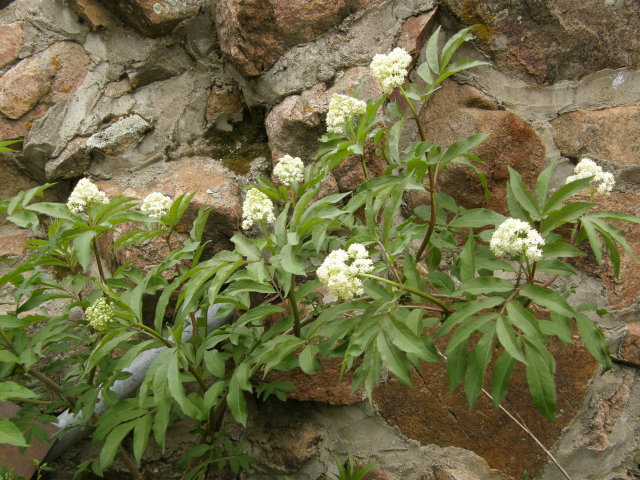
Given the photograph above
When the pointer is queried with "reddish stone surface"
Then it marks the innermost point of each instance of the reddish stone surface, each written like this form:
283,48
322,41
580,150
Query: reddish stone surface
427,412
13,240
141,15
13,180
416,31
10,42
622,292
325,386
458,111
255,33
17,462
193,174
294,125
630,348
600,134
349,174
537,38
31,86
94,13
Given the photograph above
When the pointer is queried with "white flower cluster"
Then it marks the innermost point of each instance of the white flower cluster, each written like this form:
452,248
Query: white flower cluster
85,194
156,205
342,109
390,70
602,182
289,170
339,271
100,314
256,207
515,236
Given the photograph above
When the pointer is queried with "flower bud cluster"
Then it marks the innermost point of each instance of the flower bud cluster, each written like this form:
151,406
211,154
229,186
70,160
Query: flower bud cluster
342,109
603,182
256,207
339,271
514,237
85,194
156,205
390,70
100,314
289,170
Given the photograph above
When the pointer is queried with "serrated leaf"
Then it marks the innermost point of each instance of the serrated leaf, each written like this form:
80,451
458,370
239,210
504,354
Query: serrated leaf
467,264
548,298
507,339
484,285
540,379
477,218
465,310
432,52
594,340
246,247
565,192
502,371
141,433
477,366
290,262
568,213
307,359
10,434
12,389
522,195
392,359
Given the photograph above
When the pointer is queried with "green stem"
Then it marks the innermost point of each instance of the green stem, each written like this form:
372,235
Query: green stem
96,253
266,235
364,167
432,177
409,289
294,309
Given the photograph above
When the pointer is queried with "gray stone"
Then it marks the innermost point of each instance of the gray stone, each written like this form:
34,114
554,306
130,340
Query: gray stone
155,18
71,163
120,134
363,35
162,64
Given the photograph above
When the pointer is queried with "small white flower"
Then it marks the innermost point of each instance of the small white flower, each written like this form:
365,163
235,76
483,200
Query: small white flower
156,205
603,182
289,170
256,207
515,237
339,271
390,70
85,194
342,109
100,314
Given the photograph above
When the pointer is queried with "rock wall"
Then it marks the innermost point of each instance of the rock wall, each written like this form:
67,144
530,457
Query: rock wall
203,95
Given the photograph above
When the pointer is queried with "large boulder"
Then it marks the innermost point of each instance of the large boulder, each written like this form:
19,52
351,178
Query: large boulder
10,42
551,41
603,135
153,18
428,413
215,186
31,86
458,111
255,33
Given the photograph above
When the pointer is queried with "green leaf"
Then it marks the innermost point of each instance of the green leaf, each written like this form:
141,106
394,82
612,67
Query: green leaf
568,213
459,66
592,236
248,286
456,366
462,146
407,341
424,72
394,361
561,250
540,378
6,357
10,434
432,52
467,264
542,184
82,244
394,139
623,217
13,389
112,444
565,192
484,286
522,195
176,389
307,359
464,332
246,247
23,219
555,267
524,320
141,433
502,371
548,298
456,40
55,210
290,262
235,397
477,366
477,218
594,340
464,310
508,340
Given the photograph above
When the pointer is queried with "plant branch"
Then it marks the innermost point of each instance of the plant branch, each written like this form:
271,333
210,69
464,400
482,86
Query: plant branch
294,309
401,286
96,254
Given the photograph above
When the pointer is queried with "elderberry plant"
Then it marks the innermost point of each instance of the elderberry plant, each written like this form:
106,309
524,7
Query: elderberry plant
313,278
